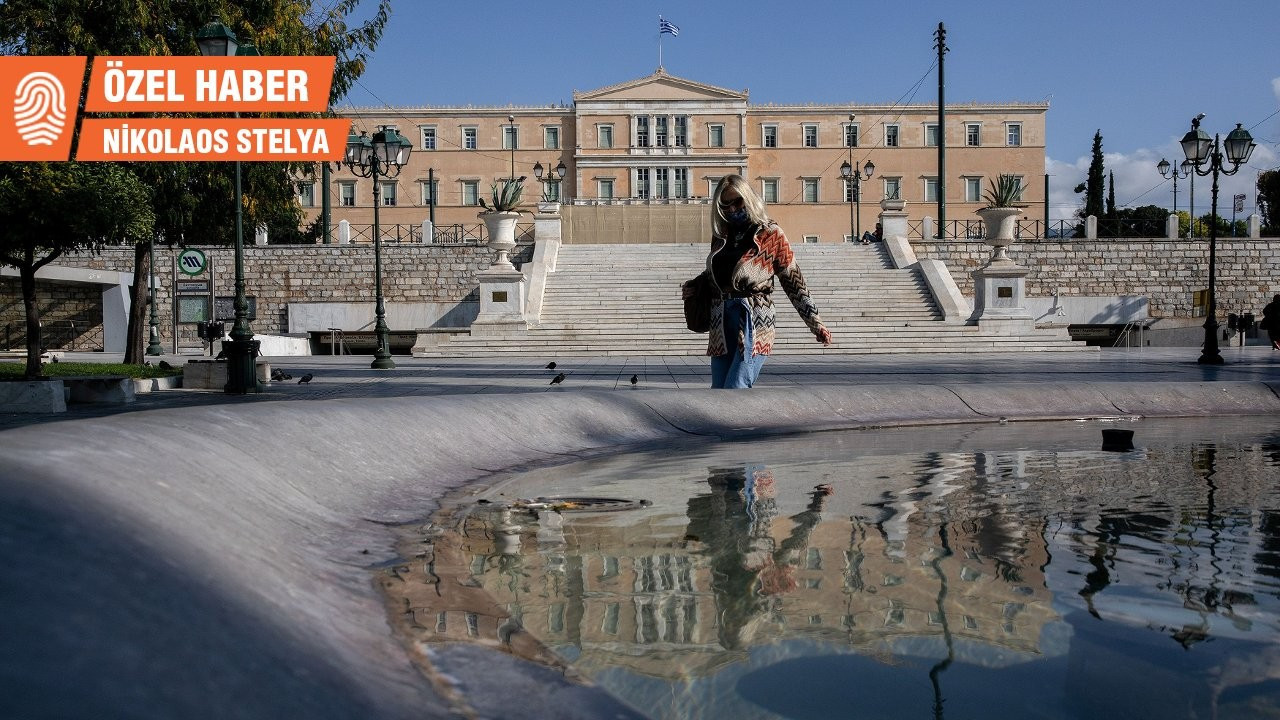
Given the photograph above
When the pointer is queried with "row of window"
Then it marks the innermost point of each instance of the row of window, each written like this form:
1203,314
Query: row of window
673,131
654,183
387,194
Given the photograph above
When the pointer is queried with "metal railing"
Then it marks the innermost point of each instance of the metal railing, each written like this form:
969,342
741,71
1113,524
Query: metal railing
1027,230
459,234
637,201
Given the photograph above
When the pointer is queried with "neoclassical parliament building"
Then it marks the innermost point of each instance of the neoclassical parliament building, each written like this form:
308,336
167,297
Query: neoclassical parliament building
662,142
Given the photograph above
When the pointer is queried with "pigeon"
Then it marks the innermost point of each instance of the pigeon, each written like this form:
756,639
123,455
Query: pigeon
305,378
277,375
165,366
558,379
486,207
551,366
634,379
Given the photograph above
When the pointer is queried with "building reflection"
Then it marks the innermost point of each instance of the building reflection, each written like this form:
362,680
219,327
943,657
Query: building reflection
924,560
679,595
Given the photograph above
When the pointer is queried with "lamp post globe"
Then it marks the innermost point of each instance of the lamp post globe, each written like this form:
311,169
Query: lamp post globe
1207,158
383,155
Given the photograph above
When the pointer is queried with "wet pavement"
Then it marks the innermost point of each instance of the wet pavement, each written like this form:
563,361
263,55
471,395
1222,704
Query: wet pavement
350,377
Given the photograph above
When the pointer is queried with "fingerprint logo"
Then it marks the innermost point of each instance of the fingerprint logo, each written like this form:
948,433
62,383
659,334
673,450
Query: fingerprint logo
39,108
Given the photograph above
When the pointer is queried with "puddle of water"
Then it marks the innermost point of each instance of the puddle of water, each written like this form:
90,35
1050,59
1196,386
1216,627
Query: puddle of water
927,572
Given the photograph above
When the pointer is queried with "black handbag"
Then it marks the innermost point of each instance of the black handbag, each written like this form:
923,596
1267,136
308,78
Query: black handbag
697,306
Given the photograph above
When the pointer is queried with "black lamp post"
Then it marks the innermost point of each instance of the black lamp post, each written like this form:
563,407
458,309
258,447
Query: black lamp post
559,171
1176,173
384,156
853,176
215,40
511,121
1206,157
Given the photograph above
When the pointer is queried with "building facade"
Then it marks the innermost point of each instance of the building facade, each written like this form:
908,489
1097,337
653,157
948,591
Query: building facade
662,140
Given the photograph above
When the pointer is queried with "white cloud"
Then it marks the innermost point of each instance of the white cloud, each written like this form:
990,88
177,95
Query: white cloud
1275,87
1138,182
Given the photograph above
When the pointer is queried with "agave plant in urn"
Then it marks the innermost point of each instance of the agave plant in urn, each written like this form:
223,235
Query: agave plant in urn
500,217
1001,214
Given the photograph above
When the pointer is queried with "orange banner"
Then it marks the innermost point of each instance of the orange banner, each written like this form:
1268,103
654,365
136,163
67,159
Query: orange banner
170,139
255,83
38,113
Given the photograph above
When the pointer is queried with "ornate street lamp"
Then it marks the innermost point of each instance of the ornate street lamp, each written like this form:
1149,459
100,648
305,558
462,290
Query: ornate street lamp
216,40
559,171
853,177
1201,151
1176,173
383,156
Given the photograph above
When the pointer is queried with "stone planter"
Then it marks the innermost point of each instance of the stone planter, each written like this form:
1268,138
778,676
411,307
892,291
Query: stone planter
893,204
501,227
548,207
1001,224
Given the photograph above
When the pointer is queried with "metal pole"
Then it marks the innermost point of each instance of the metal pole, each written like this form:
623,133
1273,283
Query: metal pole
1046,206
242,348
853,192
173,298
382,356
1210,354
512,120
1191,226
326,209
431,184
153,347
857,196
942,131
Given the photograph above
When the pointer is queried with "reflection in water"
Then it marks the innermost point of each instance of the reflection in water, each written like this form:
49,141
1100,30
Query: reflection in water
1039,582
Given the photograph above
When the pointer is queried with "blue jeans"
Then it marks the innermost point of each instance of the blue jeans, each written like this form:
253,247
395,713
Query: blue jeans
737,369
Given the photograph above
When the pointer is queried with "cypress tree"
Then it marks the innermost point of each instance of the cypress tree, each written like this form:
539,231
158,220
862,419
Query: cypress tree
1093,183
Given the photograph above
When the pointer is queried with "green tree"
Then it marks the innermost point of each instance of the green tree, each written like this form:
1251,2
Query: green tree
81,206
1111,195
1092,187
1269,200
193,201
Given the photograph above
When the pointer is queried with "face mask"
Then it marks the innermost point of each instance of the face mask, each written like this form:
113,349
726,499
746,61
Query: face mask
738,217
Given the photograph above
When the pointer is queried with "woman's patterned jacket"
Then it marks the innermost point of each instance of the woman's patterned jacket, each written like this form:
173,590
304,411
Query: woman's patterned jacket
753,275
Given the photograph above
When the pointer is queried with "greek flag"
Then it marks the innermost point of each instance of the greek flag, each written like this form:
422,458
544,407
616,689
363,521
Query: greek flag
665,26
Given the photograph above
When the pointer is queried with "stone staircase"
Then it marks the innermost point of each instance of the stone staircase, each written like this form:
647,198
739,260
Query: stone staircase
625,300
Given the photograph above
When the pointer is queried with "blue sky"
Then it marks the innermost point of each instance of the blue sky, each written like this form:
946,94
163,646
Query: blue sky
1138,70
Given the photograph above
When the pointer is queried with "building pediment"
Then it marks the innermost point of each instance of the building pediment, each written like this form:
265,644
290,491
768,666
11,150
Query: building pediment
660,86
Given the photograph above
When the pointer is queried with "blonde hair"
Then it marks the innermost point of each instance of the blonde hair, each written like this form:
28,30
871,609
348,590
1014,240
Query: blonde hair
750,201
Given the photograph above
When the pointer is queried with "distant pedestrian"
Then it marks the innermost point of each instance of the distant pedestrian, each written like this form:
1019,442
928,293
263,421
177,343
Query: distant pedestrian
1271,321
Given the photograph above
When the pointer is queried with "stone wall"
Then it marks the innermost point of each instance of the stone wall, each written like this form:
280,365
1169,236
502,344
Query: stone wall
1165,271
274,274
71,315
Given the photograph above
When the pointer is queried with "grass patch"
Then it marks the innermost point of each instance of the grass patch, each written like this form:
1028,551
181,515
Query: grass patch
15,371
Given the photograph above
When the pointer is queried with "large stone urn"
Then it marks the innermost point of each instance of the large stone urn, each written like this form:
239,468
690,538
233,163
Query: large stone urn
999,300
1001,225
501,227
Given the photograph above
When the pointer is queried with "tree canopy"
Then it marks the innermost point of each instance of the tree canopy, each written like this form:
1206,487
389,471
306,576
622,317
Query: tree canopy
188,203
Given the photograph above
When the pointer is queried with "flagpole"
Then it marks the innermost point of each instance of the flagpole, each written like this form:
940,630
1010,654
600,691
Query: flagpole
659,42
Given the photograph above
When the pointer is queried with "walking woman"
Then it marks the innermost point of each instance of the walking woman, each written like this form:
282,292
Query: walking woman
748,250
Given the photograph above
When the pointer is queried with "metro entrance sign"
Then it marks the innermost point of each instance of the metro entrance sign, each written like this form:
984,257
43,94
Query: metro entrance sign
192,262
